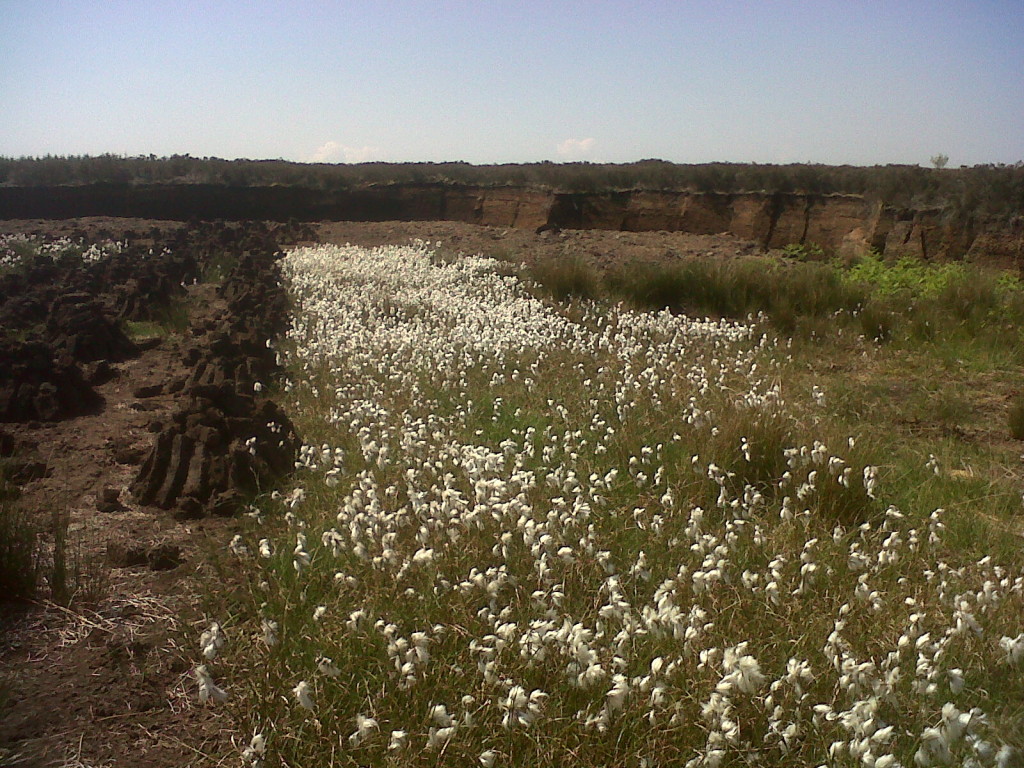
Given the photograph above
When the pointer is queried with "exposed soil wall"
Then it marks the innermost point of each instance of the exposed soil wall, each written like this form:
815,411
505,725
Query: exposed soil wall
841,224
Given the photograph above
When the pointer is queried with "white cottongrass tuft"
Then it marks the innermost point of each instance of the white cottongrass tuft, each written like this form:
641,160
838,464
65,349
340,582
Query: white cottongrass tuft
255,751
365,728
211,641
303,695
208,689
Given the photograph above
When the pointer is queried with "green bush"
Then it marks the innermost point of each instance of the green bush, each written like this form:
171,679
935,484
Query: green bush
804,251
905,276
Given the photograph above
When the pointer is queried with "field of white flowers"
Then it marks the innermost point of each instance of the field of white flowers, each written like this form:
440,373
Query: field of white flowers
532,534
15,249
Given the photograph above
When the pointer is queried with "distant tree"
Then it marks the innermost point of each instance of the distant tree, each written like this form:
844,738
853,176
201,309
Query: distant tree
939,161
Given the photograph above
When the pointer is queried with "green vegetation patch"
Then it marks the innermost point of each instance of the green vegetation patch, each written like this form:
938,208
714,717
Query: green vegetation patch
528,530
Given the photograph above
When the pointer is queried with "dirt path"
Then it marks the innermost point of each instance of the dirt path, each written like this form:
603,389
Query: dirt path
106,682
601,247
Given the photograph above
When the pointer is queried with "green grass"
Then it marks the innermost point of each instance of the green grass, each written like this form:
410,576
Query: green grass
883,299
218,266
571,278
173,317
951,397
630,496
61,571
1016,418
719,288
734,288
167,318
19,548
143,329
73,575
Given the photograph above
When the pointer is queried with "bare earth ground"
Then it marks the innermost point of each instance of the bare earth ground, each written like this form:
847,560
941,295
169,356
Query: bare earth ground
108,681
600,247
105,682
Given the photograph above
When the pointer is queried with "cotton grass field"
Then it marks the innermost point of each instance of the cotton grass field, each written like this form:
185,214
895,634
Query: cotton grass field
531,532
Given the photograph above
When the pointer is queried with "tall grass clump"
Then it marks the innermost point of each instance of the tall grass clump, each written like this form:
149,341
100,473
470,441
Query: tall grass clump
701,286
877,319
525,535
882,299
733,288
172,316
19,549
72,575
939,298
1016,418
567,278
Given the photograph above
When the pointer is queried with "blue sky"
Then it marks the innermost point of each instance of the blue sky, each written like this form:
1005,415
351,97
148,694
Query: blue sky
858,81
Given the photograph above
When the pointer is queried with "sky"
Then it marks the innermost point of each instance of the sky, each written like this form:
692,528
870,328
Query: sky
859,82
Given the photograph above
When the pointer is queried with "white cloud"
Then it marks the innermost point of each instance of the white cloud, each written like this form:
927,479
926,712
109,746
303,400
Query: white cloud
576,149
333,152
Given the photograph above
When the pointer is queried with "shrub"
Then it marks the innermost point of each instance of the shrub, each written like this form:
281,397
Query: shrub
906,276
804,251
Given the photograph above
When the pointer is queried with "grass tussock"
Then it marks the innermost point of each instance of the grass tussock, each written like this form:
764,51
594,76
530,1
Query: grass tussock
1016,418
719,288
567,279
19,549
734,288
882,300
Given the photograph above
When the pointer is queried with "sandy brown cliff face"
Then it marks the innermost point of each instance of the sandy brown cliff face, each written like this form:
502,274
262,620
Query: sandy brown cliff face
845,225
840,224
520,207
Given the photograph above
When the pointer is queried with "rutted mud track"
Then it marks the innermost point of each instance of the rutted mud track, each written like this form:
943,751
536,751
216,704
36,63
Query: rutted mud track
104,434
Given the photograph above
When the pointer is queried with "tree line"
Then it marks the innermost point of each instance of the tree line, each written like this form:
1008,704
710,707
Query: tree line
990,190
